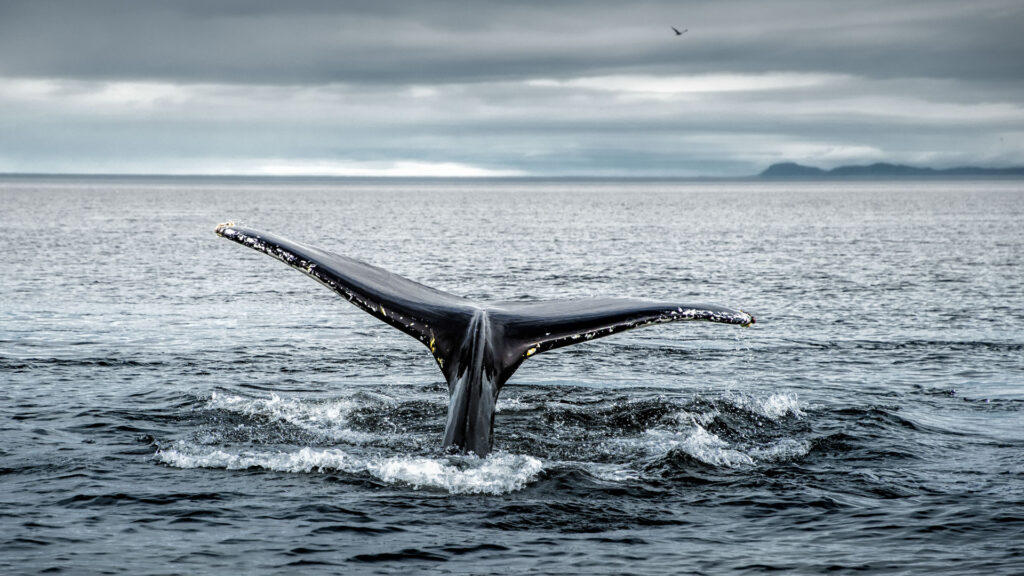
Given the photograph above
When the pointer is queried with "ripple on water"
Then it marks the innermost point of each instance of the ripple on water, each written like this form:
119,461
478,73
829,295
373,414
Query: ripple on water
892,309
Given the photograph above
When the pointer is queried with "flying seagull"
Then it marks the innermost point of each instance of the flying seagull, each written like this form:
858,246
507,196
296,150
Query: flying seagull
678,33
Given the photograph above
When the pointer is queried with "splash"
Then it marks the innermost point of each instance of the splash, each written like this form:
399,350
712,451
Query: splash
328,419
500,473
513,405
774,407
779,406
711,449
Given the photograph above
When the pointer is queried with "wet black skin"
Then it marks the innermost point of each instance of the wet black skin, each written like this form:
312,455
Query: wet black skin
477,345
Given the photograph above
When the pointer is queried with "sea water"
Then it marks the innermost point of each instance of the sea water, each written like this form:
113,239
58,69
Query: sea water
174,403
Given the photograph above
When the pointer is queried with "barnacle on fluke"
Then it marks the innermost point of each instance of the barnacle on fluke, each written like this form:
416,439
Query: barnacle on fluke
477,345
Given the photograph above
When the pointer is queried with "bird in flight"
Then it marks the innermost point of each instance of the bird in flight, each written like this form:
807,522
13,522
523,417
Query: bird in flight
676,30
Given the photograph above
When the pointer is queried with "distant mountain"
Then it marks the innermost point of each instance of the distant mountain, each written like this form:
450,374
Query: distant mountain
792,170
881,170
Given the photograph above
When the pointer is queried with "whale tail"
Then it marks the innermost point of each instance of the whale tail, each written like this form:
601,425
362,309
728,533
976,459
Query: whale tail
477,346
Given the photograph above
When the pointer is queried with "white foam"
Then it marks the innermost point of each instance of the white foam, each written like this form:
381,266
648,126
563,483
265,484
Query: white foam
773,407
328,418
697,442
779,405
305,460
513,405
711,449
696,418
499,473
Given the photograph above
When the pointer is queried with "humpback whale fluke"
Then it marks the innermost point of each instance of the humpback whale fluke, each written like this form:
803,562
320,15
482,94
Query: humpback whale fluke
477,345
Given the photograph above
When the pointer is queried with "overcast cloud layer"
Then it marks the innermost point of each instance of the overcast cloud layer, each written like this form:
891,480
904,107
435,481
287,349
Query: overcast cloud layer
513,88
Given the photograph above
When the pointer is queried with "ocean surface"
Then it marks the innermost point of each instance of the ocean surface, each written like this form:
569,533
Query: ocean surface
173,403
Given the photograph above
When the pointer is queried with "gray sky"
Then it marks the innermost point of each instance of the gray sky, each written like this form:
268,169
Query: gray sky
510,88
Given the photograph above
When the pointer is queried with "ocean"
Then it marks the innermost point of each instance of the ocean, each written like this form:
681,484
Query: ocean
173,403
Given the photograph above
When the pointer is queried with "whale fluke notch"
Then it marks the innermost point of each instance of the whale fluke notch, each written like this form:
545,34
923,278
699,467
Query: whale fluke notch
477,345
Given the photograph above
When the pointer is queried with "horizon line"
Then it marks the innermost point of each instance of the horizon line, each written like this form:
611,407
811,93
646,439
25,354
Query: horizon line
363,177
825,176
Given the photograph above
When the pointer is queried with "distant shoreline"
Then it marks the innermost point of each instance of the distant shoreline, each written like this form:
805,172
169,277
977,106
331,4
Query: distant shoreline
885,171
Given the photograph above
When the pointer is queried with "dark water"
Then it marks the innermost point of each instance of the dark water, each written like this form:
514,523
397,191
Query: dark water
174,403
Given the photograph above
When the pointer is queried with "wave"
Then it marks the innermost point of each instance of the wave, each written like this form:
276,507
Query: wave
618,440
711,449
499,473
327,418
773,408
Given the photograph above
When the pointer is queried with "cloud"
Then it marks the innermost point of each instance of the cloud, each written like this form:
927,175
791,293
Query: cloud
396,169
667,86
506,88
315,42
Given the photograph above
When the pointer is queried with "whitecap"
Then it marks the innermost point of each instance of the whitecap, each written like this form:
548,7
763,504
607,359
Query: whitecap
696,418
304,460
513,405
780,405
326,418
711,449
499,473
698,443
773,407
